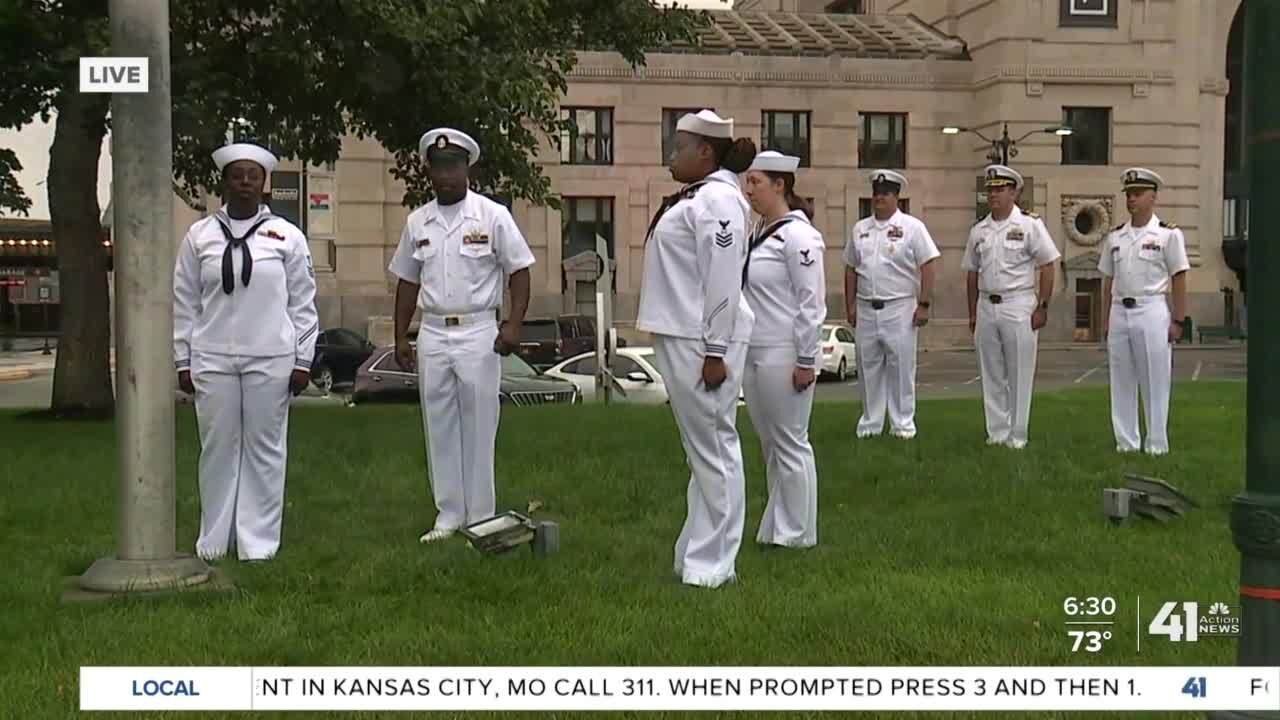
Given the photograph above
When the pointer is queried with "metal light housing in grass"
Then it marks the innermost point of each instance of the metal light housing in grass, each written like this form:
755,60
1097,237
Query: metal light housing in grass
500,533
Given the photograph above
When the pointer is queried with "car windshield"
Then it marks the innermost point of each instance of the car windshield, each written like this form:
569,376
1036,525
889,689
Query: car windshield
538,330
513,365
651,360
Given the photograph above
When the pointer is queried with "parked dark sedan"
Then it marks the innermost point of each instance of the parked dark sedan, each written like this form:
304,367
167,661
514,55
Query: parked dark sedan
546,341
380,379
339,354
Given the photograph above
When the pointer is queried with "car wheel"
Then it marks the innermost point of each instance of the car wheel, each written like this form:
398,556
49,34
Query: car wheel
842,371
323,380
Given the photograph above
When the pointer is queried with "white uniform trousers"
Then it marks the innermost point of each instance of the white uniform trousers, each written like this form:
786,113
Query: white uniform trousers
707,549
886,345
459,376
1141,359
242,408
1007,363
781,419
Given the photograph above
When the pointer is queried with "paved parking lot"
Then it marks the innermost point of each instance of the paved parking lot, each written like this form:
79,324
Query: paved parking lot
940,374
955,373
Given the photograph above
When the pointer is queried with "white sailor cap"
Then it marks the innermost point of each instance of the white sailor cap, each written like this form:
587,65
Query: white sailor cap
888,177
228,154
1002,175
774,161
706,123
445,138
1136,178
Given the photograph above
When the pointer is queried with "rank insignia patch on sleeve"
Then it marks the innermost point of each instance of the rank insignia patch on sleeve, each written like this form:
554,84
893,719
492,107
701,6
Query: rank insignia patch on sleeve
724,238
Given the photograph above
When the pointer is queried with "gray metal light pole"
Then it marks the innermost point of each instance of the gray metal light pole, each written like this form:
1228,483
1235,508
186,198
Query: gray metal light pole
142,205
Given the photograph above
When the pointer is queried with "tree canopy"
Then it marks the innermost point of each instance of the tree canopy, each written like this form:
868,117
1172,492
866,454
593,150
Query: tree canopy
302,74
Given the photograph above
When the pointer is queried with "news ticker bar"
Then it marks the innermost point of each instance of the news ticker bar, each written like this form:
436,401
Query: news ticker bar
680,688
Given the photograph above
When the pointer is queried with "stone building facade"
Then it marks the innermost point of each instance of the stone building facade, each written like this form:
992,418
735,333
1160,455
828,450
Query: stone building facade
854,84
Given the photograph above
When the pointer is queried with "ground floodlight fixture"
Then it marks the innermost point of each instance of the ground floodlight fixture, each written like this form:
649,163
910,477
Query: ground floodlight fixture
500,533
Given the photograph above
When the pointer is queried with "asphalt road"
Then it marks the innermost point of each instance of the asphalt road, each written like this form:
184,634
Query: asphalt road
945,374
940,374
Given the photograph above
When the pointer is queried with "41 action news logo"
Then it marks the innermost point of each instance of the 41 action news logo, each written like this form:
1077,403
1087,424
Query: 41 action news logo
1182,622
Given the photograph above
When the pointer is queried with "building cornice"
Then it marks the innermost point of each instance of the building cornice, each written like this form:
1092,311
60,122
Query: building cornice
747,76
908,74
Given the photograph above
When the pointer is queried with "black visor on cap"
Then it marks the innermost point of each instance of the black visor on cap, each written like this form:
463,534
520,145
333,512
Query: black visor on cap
885,186
451,152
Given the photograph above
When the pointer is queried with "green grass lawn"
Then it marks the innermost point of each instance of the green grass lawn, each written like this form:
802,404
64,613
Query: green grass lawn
936,551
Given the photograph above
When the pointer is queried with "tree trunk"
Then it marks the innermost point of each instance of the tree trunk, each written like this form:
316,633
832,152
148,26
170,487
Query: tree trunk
82,373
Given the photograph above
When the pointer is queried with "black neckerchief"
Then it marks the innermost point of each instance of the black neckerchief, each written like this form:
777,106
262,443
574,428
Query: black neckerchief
669,201
246,271
759,239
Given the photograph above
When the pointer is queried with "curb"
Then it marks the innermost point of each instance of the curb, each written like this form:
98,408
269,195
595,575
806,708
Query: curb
17,374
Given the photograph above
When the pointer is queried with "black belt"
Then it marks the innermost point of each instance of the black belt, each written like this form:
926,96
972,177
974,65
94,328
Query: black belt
878,303
1129,302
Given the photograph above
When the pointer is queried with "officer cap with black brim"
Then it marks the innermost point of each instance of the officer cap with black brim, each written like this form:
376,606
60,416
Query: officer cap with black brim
445,143
887,181
1002,176
1136,178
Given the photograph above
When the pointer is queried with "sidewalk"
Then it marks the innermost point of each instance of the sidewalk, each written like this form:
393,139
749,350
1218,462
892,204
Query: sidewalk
22,365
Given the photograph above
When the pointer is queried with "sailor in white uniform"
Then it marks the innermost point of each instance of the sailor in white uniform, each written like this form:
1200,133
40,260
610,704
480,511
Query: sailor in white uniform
452,258
1145,263
1009,259
691,302
245,327
889,259
786,289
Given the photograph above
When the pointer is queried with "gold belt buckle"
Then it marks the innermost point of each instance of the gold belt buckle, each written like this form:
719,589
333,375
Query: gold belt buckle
452,321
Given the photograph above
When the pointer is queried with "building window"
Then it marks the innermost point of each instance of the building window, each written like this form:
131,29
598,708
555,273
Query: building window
581,220
671,116
1090,140
865,211
589,138
1088,310
787,132
1087,13
884,141
1235,217
285,196
851,7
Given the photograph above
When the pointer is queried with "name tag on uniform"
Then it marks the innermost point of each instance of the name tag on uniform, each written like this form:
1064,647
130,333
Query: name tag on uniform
475,238
271,234
1015,234
863,235
895,232
1151,246
423,242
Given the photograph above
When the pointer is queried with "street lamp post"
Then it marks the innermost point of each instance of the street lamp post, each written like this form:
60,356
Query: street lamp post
142,215
1004,147
1255,514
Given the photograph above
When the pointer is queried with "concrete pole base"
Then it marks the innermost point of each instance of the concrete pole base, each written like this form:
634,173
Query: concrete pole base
112,575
